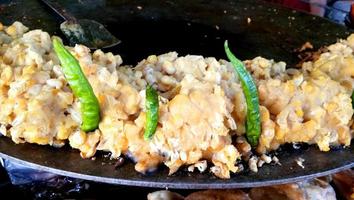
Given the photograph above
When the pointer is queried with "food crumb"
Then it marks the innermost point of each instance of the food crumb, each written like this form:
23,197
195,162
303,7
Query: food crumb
139,7
260,163
215,170
276,160
249,20
225,11
240,168
252,164
201,165
296,145
119,163
266,158
93,158
217,27
191,168
300,162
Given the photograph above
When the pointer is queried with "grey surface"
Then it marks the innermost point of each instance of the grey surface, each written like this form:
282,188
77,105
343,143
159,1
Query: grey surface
68,162
196,27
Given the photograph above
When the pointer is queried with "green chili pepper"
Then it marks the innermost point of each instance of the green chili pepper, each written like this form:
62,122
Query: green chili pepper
152,112
253,123
90,110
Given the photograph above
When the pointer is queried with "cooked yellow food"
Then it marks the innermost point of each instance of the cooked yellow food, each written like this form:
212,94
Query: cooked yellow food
202,109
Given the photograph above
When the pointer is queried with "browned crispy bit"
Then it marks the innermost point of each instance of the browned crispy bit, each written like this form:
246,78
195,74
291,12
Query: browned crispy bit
307,56
306,53
243,147
305,46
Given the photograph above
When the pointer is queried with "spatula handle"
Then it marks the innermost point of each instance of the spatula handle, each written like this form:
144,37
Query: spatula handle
59,10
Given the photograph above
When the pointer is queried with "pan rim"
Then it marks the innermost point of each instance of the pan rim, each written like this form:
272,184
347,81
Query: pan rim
157,184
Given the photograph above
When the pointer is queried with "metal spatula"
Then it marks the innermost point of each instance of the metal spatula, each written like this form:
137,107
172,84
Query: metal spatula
83,31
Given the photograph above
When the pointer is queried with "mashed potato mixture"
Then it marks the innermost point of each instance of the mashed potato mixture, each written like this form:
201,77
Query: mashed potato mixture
202,109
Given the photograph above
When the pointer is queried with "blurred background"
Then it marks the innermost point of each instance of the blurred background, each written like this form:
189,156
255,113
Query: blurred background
339,11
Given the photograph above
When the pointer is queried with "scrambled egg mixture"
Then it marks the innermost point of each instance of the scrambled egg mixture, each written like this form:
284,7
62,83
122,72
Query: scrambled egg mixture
202,106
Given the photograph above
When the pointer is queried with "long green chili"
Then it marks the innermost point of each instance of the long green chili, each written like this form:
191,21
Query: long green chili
90,110
253,119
